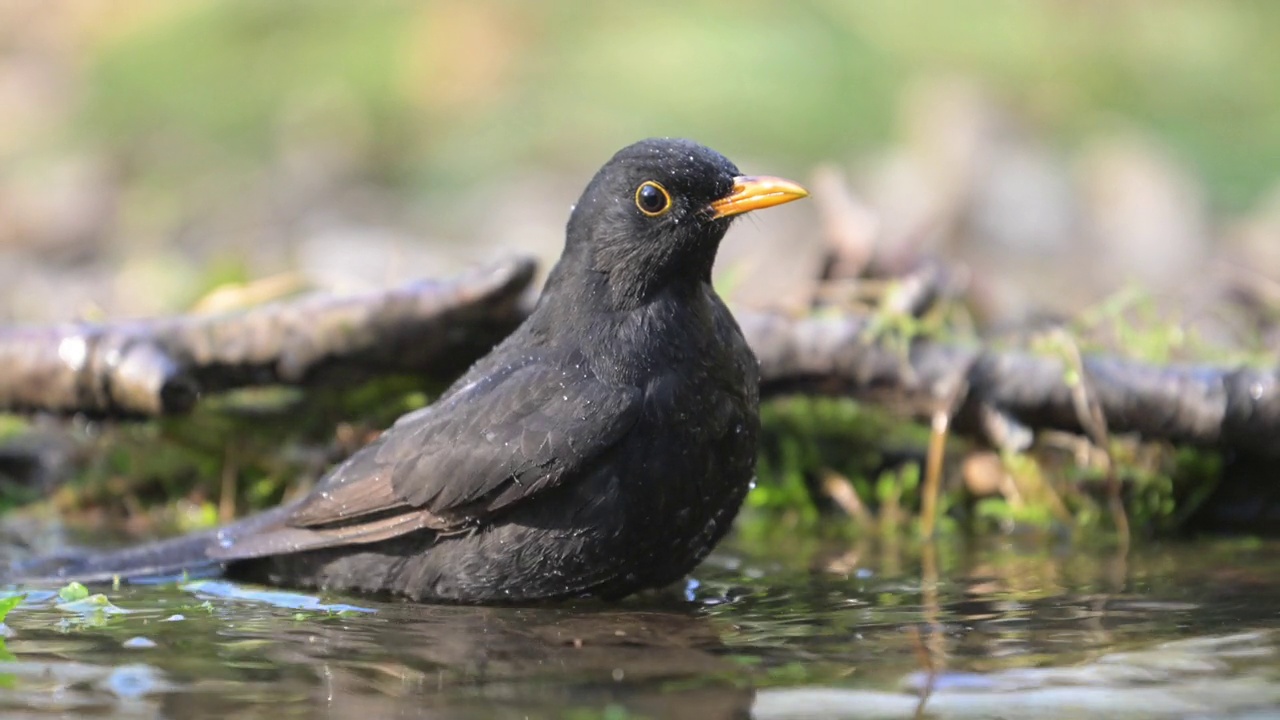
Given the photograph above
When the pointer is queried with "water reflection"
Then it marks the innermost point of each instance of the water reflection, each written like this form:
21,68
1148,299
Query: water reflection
774,631
1194,678
251,656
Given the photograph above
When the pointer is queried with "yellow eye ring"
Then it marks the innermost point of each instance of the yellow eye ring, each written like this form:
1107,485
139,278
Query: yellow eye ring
652,199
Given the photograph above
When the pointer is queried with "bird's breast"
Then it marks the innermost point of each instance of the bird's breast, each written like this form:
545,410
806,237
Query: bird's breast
699,419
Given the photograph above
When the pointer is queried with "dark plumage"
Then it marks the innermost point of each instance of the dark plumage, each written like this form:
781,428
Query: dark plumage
603,448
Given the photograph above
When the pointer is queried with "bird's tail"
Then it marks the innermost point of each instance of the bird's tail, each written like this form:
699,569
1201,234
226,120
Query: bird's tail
187,554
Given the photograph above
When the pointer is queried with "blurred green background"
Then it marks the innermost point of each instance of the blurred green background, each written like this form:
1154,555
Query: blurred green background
151,150
454,92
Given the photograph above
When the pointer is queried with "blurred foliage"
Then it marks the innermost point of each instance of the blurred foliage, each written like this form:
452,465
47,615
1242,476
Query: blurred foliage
449,92
220,77
1131,321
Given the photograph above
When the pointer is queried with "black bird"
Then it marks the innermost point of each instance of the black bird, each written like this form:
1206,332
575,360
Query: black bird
603,448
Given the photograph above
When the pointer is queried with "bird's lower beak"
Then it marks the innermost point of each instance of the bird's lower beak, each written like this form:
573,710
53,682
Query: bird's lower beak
754,192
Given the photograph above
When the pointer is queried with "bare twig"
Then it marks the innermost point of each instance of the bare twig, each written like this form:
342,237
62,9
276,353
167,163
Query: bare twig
933,472
845,496
1094,423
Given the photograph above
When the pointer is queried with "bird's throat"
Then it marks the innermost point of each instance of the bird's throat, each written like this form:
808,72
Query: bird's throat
633,277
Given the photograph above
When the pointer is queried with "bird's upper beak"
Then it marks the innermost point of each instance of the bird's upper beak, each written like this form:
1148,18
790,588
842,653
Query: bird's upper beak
753,192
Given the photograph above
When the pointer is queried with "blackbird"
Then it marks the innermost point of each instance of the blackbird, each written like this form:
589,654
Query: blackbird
602,448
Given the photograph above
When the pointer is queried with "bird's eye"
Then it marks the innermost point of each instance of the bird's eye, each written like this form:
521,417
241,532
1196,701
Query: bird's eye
652,199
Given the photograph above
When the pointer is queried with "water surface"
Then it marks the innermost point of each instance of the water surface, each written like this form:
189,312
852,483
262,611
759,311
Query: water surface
789,630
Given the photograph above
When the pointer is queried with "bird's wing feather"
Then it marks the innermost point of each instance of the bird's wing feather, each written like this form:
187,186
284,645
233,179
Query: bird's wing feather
483,447
281,539
529,432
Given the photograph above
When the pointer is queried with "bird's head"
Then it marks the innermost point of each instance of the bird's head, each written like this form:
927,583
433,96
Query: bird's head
656,212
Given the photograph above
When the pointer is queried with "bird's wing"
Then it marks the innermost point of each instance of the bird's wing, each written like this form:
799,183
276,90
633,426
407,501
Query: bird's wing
484,447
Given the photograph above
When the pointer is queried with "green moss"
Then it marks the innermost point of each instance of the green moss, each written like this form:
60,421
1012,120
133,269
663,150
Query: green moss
258,442
73,592
1130,322
809,441
7,604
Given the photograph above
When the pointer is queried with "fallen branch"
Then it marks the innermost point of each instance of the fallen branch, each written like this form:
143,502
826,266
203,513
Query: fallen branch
1009,394
437,328
160,366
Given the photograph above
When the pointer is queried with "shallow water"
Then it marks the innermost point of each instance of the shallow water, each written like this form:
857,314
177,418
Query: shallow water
799,629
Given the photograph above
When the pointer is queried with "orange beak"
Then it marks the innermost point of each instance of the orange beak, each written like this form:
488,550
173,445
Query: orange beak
754,192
